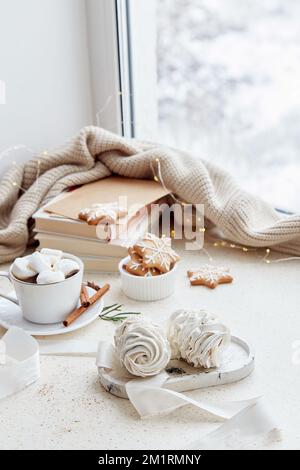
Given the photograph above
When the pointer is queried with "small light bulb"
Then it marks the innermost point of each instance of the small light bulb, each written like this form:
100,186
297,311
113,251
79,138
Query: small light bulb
216,244
232,246
268,261
245,249
156,179
268,250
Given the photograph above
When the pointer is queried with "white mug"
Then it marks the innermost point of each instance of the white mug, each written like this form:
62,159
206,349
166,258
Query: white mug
47,303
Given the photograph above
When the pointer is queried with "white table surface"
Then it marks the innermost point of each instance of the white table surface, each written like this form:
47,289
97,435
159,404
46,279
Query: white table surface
68,409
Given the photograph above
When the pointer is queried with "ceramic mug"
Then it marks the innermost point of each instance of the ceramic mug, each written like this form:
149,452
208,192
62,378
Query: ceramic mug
47,303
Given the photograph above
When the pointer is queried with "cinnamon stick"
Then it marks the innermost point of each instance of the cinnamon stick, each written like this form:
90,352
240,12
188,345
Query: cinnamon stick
80,310
84,297
93,285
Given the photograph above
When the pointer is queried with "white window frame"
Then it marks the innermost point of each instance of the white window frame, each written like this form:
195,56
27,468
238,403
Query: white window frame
143,54
122,53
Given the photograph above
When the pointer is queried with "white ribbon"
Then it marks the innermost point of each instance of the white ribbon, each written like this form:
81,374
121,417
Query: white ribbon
245,419
22,365
51,347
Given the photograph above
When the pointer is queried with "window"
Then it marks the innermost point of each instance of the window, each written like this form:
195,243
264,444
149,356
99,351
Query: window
217,78
227,86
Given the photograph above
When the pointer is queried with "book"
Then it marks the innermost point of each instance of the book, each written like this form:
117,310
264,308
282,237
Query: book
60,216
83,246
117,248
46,222
132,193
100,265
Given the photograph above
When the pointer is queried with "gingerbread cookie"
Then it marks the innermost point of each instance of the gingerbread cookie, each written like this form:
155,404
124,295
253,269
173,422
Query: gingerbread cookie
210,276
135,266
107,213
156,252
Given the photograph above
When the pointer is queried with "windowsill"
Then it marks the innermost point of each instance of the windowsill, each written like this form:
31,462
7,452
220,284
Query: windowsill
67,408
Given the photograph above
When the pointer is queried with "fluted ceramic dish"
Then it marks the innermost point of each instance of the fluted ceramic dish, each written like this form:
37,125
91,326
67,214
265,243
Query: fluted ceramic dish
237,364
147,289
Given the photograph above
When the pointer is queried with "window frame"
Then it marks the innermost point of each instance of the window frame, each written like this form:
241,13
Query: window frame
122,52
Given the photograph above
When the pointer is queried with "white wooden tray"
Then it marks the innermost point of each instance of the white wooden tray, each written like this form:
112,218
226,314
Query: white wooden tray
237,363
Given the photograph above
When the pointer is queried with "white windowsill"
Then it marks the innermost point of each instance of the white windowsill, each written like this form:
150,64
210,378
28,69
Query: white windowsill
67,408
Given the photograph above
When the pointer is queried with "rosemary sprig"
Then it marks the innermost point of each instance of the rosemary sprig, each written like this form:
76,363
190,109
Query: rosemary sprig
119,316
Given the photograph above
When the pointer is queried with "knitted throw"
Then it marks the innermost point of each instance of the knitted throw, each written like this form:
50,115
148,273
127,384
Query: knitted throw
96,153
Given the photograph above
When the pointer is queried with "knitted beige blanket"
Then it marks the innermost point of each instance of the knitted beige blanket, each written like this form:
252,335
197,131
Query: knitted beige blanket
96,153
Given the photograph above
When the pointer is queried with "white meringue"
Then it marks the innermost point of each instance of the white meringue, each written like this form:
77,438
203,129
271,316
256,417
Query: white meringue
197,337
141,347
39,262
22,270
67,266
50,277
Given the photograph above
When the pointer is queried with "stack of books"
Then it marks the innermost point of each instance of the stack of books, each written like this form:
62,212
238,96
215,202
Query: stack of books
101,247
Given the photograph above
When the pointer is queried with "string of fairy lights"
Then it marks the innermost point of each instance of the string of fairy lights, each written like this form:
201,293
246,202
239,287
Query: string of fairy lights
15,148
219,243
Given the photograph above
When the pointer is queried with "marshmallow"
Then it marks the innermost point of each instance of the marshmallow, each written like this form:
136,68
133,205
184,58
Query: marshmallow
67,266
50,277
39,262
22,270
53,255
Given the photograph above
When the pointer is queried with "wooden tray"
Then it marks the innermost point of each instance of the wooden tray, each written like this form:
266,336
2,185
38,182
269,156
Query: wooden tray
237,363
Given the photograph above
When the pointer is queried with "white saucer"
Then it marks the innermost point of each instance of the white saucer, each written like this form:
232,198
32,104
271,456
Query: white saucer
11,315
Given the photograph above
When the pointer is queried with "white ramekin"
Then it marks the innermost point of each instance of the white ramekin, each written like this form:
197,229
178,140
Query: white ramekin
147,289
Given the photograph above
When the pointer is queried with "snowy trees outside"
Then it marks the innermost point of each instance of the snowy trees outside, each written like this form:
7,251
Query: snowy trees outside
229,88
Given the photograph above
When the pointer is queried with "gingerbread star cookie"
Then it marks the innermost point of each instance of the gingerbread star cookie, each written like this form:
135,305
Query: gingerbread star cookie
135,266
107,213
156,252
210,276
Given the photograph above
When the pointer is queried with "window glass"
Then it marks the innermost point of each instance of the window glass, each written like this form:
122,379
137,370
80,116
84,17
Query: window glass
228,88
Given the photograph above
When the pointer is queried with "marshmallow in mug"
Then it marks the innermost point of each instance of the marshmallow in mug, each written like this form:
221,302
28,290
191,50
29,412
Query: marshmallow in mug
67,266
39,262
22,270
48,265
53,255
50,277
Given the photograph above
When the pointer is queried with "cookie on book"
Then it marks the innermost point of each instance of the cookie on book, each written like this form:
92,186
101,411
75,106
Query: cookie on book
135,266
210,276
157,252
106,213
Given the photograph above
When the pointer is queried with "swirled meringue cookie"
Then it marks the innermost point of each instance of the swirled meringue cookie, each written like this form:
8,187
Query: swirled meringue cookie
198,337
141,347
